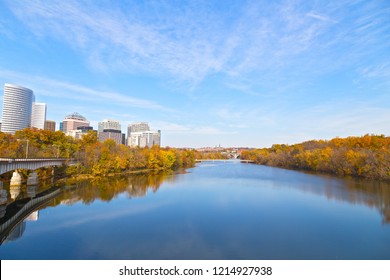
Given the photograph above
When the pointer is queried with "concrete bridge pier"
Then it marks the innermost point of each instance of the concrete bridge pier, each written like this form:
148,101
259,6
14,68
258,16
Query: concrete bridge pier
32,179
32,190
16,179
14,191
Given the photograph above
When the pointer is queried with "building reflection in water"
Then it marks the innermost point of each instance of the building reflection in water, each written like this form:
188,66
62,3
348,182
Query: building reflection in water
20,228
17,232
33,216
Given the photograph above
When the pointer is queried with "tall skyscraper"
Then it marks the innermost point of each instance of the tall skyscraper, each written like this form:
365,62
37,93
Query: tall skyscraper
73,121
38,116
139,134
17,107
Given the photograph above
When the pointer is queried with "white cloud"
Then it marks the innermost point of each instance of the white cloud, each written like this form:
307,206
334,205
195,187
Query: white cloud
116,39
191,41
50,87
381,70
319,17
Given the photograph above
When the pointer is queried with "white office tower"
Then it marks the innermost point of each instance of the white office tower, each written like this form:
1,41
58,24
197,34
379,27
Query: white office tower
109,124
38,116
139,134
17,107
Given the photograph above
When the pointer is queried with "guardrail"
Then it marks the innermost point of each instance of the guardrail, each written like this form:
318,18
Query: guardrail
9,164
23,212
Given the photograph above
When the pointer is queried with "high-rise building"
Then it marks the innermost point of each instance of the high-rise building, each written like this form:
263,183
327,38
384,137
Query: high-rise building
109,124
17,107
73,121
110,129
38,116
137,127
139,134
113,134
50,125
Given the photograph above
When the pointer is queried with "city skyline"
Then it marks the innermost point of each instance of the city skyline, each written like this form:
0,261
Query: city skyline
234,73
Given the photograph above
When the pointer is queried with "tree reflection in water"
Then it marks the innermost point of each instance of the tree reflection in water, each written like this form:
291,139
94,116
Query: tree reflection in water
107,188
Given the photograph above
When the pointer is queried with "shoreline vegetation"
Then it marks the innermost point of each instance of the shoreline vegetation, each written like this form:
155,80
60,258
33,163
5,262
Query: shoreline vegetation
94,158
367,156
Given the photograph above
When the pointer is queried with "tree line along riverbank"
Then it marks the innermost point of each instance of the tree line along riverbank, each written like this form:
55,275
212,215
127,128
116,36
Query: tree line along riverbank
93,157
367,156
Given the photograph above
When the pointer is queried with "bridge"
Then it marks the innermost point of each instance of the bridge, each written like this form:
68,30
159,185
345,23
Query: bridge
224,160
9,164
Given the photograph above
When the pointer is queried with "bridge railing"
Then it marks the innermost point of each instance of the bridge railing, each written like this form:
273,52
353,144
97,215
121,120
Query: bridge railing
34,159
9,164
7,226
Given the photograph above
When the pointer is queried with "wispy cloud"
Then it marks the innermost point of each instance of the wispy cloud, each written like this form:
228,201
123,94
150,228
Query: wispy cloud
191,46
319,17
64,90
121,39
190,41
381,70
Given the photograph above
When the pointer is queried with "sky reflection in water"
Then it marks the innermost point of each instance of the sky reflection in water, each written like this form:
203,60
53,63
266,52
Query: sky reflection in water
215,211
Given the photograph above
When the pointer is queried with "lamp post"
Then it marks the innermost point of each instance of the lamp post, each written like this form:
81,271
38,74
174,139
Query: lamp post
58,150
26,146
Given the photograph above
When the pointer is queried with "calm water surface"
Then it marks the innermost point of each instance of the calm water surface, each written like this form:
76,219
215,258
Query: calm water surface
218,210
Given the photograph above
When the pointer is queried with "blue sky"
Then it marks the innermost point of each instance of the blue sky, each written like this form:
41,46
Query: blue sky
232,72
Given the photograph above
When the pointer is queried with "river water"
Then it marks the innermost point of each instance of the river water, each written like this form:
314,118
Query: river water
217,210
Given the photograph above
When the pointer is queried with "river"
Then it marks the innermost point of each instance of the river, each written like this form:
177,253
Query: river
217,210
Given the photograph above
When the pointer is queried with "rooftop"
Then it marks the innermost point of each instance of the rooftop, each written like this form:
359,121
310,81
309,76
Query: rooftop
76,116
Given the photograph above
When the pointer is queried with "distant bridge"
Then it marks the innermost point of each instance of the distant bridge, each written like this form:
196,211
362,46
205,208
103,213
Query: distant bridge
9,164
224,160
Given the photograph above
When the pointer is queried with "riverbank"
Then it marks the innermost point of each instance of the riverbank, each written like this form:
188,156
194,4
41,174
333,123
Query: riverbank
364,157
